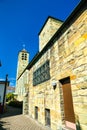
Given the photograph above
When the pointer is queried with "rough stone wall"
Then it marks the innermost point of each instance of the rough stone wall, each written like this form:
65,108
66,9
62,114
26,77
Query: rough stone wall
72,52
68,57
43,95
21,79
37,93
21,63
48,31
21,85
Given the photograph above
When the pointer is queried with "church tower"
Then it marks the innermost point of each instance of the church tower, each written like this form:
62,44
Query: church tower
23,60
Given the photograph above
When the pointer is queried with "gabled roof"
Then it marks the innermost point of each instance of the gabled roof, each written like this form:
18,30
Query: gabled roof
59,32
24,50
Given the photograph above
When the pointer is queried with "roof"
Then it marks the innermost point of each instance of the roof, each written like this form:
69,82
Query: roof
3,82
59,32
23,50
11,88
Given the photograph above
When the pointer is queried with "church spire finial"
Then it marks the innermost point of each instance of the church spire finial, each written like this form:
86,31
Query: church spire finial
24,50
23,46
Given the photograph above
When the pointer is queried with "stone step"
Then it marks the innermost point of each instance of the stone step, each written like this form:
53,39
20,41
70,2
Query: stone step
66,128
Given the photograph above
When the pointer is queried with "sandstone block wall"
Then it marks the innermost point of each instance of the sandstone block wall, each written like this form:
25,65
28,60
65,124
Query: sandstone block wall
21,86
22,63
48,31
68,58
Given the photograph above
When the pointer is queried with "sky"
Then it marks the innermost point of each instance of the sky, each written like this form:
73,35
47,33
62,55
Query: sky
20,23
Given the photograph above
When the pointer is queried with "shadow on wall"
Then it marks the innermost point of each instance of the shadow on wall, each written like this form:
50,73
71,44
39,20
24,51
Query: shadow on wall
11,111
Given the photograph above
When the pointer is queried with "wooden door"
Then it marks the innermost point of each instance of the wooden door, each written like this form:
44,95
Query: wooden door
68,106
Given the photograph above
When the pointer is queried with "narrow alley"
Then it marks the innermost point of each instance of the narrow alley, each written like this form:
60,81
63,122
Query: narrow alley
14,120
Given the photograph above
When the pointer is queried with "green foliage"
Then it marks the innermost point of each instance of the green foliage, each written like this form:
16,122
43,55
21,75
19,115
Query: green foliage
9,97
78,127
15,103
12,101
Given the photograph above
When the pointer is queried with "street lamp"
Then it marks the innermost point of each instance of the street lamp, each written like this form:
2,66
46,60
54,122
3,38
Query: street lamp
6,84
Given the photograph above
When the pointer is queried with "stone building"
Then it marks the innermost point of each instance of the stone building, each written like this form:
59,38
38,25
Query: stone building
23,61
10,89
3,90
56,94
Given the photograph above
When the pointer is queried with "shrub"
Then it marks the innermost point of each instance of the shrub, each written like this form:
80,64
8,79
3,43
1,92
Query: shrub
9,97
15,104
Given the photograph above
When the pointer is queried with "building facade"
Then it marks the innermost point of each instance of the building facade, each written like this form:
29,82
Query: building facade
57,79
3,89
10,89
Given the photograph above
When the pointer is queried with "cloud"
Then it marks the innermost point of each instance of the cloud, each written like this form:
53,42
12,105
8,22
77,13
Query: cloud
1,79
12,81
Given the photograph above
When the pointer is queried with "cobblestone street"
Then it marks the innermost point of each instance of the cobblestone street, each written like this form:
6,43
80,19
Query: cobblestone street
14,120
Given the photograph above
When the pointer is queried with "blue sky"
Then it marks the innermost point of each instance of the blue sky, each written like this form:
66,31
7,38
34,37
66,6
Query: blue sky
20,23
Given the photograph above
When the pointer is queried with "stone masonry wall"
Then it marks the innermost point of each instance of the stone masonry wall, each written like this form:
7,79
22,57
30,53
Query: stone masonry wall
68,58
21,83
21,63
72,52
48,31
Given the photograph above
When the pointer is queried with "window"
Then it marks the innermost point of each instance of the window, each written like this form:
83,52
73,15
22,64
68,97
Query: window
24,56
47,117
41,74
36,113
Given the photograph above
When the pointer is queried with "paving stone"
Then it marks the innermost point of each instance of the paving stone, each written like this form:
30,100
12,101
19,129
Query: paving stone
11,121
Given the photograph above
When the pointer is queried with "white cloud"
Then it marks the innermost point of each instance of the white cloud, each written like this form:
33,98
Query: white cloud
12,81
2,79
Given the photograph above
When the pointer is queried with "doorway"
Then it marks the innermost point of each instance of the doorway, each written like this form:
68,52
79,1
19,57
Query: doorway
36,113
47,117
68,104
